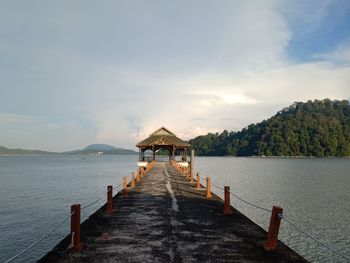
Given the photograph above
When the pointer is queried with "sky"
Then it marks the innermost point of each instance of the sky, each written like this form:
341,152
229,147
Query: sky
73,73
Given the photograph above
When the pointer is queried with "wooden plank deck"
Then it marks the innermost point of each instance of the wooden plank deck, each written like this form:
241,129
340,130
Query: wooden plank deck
165,219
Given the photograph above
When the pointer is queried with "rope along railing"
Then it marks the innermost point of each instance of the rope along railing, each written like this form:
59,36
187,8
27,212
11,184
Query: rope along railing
39,240
218,187
92,203
98,199
335,251
74,233
276,215
119,185
241,199
251,204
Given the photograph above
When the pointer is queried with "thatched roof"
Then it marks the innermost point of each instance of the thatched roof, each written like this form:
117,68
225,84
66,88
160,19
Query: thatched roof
163,136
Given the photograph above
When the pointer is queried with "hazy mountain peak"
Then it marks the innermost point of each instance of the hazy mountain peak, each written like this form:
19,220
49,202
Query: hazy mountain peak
99,147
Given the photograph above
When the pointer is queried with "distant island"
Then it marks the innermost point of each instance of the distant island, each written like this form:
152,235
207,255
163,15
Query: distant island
7,151
319,128
102,149
93,149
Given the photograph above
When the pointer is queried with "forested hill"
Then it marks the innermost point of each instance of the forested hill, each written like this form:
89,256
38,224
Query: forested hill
315,128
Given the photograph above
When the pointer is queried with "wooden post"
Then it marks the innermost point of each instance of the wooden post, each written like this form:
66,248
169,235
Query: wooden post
192,166
124,192
75,227
132,180
187,172
109,199
139,175
227,205
209,195
198,181
275,221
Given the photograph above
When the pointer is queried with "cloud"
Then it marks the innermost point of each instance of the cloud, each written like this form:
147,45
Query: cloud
339,57
10,118
114,73
228,119
212,98
24,131
199,119
197,131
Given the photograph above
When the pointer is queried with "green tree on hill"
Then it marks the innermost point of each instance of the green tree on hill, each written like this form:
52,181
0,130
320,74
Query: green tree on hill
314,128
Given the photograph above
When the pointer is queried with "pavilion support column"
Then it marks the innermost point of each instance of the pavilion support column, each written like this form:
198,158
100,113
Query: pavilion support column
143,155
153,152
192,163
170,155
173,154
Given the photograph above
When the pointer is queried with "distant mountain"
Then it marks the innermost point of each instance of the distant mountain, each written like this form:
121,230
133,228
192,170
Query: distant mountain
99,147
93,149
314,128
7,151
105,149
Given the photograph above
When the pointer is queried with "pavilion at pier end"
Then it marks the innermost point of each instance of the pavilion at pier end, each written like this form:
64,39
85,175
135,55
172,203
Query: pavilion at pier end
160,141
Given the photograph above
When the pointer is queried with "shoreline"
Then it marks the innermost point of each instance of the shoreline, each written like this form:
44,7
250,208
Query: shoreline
225,156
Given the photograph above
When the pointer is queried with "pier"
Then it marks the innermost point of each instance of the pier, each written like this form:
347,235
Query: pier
164,217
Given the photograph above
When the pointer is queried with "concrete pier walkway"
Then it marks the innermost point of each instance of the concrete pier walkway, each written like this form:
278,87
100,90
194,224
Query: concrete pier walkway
165,218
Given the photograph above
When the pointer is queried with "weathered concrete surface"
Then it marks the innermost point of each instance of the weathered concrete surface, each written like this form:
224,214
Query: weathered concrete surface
165,219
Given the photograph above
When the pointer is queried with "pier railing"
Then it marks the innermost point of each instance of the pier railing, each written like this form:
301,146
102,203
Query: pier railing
76,209
75,214
276,211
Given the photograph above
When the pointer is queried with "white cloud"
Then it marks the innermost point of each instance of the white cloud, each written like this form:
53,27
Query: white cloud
340,56
128,73
6,118
212,98
197,131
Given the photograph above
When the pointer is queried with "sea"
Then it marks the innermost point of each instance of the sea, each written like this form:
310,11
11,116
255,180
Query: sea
36,193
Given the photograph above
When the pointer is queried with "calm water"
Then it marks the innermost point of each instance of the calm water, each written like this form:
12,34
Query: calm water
36,194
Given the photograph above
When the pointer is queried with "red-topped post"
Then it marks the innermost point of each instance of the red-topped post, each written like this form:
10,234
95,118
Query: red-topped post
227,204
198,181
132,180
138,175
75,227
124,192
209,195
187,173
272,235
109,199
